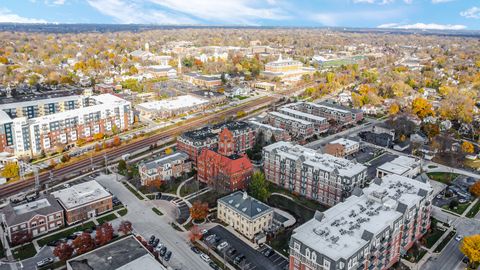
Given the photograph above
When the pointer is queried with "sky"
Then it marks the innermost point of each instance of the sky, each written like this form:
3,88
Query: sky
404,14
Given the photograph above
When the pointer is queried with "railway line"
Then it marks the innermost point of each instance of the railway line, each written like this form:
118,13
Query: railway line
84,164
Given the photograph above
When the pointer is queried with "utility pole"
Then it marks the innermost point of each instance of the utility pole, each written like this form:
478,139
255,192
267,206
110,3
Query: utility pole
37,180
21,170
106,163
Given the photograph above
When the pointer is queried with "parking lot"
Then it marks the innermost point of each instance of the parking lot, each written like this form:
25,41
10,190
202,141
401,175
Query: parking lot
254,259
276,258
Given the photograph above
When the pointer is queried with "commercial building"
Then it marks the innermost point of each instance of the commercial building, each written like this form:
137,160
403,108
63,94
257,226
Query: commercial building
224,169
84,201
321,177
370,230
207,81
125,254
341,147
265,86
341,115
245,214
320,123
298,128
164,168
269,131
402,165
170,107
40,131
286,69
34,218
192,142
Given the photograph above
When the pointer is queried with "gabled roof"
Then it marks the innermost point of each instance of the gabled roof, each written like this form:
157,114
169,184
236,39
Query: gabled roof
246,205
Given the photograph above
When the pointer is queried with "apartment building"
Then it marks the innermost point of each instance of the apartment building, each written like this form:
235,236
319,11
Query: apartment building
342,147
35,218
286,69
32,135
84,201
245,214
370,230
342,115
320,123
321,177
192,142
269,132
298,128
207,81
164,168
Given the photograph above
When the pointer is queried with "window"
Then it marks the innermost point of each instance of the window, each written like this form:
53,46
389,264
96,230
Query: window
296,246
307,253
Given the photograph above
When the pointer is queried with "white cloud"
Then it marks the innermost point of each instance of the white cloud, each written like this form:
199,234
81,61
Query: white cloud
380,2
132,12
6,16
340,18
441,1
58,2
471,13
421,26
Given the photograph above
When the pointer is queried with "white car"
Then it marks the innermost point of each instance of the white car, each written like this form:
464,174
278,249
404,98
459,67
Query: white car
45,262
223,245
205,257
159,246
459,237
204,231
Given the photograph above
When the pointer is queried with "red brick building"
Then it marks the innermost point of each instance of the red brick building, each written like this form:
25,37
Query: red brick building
224,169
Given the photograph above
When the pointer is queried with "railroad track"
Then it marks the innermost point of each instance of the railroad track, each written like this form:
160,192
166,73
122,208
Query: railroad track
81,165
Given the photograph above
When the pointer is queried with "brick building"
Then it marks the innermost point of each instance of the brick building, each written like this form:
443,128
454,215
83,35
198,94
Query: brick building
224,169
84,201
370,230
298,128
342,115
193,142
164,168
321,177
32,218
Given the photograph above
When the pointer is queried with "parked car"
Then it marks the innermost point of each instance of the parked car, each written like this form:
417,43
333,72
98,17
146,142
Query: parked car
459,237
195,250
44,262
217,239
231,251
72,236
222,245
155,242
168,256
214,266
204,231
152,238
205,257
163,250
268,252
159,247
239,259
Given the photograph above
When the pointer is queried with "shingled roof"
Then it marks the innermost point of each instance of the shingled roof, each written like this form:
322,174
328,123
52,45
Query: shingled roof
246,205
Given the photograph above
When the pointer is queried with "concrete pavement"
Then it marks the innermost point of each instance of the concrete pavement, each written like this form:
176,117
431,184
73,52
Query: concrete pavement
147,223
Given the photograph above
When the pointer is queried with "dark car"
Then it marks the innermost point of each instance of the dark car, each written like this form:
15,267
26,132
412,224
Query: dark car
217,239
238,259
195,249
55,243
268,252
163,250
231,251
465,260
72,236
155,242
152,238
168,256
214,266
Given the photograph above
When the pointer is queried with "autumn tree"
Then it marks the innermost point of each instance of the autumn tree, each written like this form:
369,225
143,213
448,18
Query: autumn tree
258,186
63,251
475,189
125,227
199,210
393,109
467,147
470,247
195,233
431,130
104,234
98,136
168,151
11,170
116,141
83,243
422,108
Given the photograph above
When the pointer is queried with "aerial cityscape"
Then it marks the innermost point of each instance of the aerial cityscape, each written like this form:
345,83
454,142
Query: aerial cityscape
238,134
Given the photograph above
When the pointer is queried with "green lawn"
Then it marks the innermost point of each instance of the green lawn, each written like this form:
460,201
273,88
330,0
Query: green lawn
134,191
106,218
122,212
474,210
311,204
24,252
47,239
443,177
460,208
209,197
158,212
2,252
444,242
433,235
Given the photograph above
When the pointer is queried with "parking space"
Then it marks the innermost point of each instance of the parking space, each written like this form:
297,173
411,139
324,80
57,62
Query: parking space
280,261
254,259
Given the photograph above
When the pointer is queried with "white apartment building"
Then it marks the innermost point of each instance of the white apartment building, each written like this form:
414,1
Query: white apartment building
402,165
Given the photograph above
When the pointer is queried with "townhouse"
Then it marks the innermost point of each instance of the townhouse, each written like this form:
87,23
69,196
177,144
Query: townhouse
298,128
320,123
164,168
341,115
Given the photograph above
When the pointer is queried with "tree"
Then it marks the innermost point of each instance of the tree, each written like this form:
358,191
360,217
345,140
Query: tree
241,114
98,147
83,243
116,141
65,157
122,166
475,189
453,204
422,108
431,130
81,141
258,186
393,109
104,234
98,136
125,227
470,247
168,151
195,233
199,210
63,251
11,170
467,147
114,129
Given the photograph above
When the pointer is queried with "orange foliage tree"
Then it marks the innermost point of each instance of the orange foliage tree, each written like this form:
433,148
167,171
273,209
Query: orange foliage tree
199,210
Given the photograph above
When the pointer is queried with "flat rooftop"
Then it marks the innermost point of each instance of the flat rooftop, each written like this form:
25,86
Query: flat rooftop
290,118
302,114
344,142
179,102
81,194
347,227
166,160
124,254
42,99
267,126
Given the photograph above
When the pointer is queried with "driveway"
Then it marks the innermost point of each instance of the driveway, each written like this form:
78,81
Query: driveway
146,223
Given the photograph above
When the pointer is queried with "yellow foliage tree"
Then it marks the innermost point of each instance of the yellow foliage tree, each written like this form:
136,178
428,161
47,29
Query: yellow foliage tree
394,109
168,151
467,147
422,108
10,170
470,247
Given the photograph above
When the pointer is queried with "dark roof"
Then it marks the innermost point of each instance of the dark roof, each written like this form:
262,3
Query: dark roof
333,105
212,131
402,208
245,205
30,209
